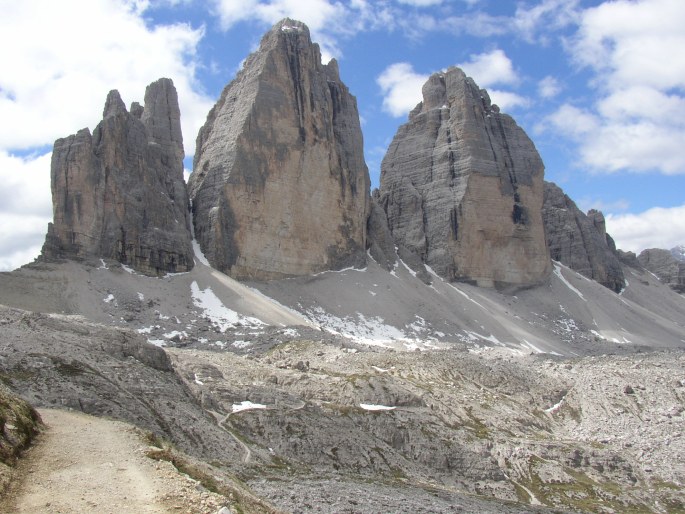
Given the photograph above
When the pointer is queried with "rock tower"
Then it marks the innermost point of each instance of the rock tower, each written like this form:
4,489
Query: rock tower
279,185
462,186
119,193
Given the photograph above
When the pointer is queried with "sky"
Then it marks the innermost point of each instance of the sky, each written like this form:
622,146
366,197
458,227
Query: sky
599,86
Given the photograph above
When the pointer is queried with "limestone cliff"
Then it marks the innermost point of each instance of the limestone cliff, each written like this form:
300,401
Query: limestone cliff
580,241
461,184
665,265
119,193
279,185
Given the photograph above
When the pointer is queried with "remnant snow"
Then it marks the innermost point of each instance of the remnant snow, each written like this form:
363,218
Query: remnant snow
368,406
247,405
104,265
109,298
220,315
557,272
198,253
198,381
141,296
157,342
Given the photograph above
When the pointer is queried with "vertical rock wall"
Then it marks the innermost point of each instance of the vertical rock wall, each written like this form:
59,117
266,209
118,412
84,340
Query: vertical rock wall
119,193
279,185
462,186
580,241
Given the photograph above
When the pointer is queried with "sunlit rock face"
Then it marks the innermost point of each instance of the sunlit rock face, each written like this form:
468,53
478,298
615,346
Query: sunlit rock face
280,186
462,186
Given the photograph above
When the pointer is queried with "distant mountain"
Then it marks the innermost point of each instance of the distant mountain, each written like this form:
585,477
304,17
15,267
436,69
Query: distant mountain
678,252
666,266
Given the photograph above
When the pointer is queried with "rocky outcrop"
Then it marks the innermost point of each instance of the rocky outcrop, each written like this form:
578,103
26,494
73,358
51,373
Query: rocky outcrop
280,186
461,184
580,241
119,193
664,265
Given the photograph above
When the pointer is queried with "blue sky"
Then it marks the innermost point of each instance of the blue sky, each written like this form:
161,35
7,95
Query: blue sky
598,85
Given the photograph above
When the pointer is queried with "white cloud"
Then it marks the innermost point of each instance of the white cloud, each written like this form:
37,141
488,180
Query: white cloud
637,119
506,100
490,68
60,68
549,87
25,208
401,86
655,228
586,203
545,16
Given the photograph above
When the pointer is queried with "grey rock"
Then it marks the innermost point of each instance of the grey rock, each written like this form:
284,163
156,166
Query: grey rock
280,186
580,241
678,252
629,259
461,184
380,242
665,266
119,193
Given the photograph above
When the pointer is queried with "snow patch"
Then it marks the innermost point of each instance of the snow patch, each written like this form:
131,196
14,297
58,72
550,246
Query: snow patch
110,298
198,381
369,406
157,342
141,296
220,315
247,405
104,265
557,272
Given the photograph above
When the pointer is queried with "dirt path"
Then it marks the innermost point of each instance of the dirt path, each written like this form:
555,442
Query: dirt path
87,464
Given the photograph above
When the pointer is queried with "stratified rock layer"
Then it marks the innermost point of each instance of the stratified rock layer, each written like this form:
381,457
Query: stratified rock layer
666,266
580,241
461,184
280,186
119,193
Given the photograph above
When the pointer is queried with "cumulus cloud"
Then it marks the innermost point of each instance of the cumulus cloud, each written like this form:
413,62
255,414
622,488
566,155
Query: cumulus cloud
62,68
25,207
57,72
549,87
654,228
637,120
420,3
401,87
490,68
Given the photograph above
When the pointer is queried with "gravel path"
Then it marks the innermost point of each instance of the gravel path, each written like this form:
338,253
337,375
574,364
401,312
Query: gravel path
87,464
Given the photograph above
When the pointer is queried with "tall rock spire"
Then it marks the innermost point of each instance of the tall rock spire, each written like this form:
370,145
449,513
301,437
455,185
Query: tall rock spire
119,193
279,185
462,186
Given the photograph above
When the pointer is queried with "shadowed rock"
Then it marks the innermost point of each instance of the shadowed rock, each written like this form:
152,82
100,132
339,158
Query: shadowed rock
119,193
664,265
462,188
280,186
580,241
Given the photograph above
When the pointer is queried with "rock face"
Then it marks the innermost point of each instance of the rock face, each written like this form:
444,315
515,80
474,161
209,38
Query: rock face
461,184
280,186
665,266
119,193
580,241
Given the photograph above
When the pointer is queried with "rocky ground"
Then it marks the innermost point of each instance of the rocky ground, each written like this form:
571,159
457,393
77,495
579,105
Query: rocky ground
549,399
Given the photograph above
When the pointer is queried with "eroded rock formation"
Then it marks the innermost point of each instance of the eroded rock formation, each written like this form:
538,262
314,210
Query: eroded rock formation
462,188
666,266
280,186
580,241
119,193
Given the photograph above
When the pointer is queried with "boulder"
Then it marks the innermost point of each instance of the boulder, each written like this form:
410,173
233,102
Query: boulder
279,185
462,186
119,193
580,241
